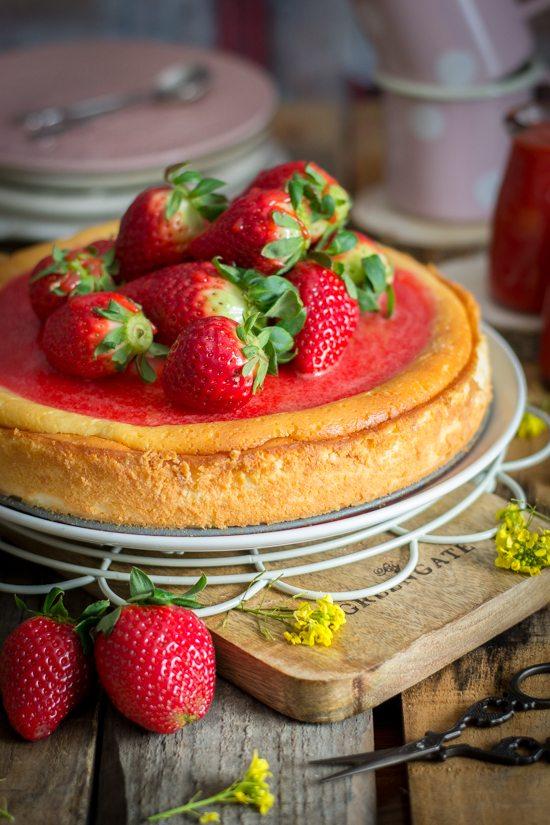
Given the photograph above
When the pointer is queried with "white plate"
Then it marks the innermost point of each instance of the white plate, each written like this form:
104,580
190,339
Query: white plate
508,405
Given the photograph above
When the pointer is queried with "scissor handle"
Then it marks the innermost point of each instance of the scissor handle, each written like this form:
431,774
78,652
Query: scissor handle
514,750
523,700
494,710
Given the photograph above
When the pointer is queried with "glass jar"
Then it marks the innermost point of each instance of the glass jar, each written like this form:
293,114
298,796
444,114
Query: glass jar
520,247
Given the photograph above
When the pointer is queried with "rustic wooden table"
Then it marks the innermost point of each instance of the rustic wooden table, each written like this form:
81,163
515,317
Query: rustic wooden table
99,769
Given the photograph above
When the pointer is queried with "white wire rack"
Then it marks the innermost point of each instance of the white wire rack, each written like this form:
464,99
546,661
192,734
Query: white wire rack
289,546
260,575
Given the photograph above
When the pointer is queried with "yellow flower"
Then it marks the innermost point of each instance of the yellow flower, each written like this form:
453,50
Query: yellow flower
252,789
519,548
531,426
316,624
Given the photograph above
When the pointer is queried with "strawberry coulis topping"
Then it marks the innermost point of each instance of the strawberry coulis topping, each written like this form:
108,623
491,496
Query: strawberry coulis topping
378,350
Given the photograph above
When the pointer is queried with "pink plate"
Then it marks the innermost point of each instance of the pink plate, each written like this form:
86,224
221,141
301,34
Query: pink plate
240,103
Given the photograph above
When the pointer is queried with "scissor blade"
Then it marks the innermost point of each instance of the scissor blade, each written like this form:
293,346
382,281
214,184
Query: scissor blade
360,758
385,758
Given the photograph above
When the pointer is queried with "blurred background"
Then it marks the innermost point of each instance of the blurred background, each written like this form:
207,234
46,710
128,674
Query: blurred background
408,104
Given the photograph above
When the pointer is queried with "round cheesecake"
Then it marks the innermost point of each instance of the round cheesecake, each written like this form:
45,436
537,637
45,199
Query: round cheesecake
407,396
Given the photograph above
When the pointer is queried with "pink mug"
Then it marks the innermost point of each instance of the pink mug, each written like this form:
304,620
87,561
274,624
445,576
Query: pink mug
449,42
446,149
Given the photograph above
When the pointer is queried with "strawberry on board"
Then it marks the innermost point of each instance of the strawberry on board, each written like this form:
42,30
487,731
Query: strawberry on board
319,200
96,335
69,272
155,657
364,268
175,296
216,365
45,666
156,228
332,317
259,230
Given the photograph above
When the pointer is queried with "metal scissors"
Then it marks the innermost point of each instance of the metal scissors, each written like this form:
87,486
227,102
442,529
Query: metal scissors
494,710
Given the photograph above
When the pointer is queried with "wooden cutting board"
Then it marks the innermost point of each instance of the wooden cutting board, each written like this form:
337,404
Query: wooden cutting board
455,600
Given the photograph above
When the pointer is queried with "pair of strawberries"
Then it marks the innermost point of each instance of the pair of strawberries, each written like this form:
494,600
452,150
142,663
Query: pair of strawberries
234,291
154,658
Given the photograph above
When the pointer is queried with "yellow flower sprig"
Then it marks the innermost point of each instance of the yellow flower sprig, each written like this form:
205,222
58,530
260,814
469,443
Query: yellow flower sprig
531,426
519,548
308,624
251,789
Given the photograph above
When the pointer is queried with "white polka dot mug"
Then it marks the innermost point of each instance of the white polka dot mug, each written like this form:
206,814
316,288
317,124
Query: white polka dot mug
452,43
446,150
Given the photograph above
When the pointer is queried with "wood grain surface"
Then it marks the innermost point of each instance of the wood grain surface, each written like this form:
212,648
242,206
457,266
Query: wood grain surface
463,791
140,774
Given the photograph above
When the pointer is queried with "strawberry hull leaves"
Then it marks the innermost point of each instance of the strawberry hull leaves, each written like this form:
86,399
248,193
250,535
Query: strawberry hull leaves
200,192
264,349
367,277
318,200
273,296
289,249
132,337
54,608
144,592
70,272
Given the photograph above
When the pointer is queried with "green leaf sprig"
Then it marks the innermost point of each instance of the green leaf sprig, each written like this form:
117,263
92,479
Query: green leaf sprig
144,592
54,608
270,299
62,265
190,186
291,246
376,279
310,185
130,337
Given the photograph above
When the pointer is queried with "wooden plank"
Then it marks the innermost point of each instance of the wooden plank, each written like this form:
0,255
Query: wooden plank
463,791
143,773
455,600
47,782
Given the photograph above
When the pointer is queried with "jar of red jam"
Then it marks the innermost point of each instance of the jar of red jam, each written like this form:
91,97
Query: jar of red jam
520,247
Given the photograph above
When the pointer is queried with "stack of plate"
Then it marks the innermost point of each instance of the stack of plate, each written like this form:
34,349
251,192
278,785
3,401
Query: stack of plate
52,186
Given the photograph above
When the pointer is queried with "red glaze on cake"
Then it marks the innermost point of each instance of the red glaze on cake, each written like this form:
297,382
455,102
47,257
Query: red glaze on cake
379,349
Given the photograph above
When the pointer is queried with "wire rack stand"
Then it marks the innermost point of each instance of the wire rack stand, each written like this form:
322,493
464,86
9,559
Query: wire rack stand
244,550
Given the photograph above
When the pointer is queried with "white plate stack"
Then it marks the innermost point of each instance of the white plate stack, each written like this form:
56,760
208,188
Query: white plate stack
52,186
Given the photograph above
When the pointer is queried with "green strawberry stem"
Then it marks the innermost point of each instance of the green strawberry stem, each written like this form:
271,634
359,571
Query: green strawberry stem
315,199
264,348
376,274
291,244
54,608
272,298
189,186
130,336
143,591
87,283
